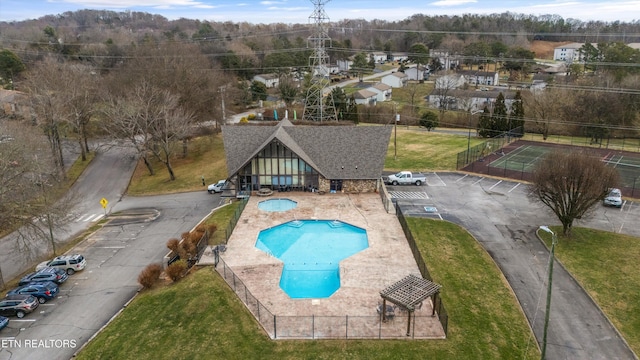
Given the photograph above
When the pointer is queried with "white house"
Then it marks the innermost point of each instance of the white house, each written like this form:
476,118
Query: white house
378,57
456,99
417,73
474,77
269,80
399,56
396,79
448,62
344,65
450,81
365,97
569,52
383,91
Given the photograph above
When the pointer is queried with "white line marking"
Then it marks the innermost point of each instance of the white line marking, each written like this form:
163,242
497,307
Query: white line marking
513,188
478,180
89,218
496,184
99,217
109,247
465,175
24,320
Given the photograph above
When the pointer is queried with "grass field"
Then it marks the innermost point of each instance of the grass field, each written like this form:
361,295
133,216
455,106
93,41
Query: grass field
201,318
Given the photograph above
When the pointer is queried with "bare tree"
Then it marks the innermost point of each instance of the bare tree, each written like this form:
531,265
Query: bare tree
570,184
151,120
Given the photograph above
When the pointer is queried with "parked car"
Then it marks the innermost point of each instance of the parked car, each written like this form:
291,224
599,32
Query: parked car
68,263
614,198
4,321
18,305
43,291
217,187
58,276
405,178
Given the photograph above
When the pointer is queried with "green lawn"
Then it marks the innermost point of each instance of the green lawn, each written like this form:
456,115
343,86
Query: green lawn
201,318
606,265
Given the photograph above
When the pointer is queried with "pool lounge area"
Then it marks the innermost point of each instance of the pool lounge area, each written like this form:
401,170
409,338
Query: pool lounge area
363,275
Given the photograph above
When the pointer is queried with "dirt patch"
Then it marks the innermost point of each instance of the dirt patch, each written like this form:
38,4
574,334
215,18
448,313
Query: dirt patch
544,49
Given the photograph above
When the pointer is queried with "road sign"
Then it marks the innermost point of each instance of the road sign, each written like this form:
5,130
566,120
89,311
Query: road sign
104,203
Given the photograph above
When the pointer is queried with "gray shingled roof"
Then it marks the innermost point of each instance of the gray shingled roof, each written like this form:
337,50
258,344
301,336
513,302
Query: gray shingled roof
336,152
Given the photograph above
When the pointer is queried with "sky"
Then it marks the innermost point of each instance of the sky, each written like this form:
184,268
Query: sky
299,11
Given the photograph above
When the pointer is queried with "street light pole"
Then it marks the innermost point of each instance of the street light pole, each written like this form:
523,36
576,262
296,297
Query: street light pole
554,240
395,133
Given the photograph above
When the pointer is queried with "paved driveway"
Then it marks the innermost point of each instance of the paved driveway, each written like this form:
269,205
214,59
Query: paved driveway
501,217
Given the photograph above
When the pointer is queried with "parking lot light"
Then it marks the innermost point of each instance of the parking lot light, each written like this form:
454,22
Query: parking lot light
554,240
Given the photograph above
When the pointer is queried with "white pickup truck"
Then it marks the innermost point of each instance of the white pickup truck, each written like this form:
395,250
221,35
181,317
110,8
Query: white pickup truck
405,178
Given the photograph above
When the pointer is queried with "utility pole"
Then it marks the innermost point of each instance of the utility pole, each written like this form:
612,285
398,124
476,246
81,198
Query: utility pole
554,240
395,137
224,113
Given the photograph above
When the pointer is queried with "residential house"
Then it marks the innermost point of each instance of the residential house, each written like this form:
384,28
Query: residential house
448,61
345,65
303,157
365,97
396,79
476,77
378,57
14,104
569,52
417,73
383,91
458,99
399,56
450,81
269,80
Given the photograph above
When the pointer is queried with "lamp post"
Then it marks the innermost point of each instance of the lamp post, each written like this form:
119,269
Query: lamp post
395,132
554,240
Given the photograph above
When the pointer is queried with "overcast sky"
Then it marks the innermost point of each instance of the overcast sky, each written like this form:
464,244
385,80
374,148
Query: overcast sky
298,11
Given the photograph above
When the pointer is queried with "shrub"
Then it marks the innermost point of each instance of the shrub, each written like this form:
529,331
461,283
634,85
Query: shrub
187,249
173,244
150,275
251,117
243,120
176,270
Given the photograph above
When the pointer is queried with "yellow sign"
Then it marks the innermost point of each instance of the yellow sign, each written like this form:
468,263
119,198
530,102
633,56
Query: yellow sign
104,203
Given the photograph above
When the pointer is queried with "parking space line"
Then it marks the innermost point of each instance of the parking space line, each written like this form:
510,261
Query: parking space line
514,187
462,178
439,179
480,179
496,184
23,320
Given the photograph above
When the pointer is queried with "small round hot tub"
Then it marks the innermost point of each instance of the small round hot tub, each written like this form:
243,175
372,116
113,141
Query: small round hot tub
273,205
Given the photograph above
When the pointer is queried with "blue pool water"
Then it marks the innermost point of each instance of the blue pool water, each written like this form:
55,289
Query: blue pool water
277,205
311,251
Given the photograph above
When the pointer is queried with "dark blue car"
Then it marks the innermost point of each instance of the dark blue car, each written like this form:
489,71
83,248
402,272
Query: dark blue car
58,276
3,322
43,291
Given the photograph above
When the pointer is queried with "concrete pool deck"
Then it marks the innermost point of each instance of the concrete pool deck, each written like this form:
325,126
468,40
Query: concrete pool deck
387,260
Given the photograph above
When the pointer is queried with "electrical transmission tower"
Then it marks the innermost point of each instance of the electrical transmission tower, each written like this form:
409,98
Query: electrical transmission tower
316,107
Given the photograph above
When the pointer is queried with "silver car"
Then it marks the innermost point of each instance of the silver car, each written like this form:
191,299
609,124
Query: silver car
614,198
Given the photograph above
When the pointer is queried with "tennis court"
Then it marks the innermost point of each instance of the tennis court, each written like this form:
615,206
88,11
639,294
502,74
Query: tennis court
517,160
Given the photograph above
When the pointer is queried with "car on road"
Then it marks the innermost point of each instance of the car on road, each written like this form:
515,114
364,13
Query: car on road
4,321
18,305
43,291
217,187
614,198
68,263
58,276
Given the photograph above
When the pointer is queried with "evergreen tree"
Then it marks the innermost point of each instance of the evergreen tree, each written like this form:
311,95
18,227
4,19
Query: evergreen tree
484,123
499,118
516,117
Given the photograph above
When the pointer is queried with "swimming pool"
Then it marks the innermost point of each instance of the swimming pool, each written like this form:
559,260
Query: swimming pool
277,205
311,251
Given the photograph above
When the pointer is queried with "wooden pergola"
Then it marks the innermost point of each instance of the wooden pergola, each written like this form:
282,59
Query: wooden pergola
409,293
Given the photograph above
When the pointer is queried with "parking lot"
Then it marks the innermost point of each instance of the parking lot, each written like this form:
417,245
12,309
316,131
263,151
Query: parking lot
503,219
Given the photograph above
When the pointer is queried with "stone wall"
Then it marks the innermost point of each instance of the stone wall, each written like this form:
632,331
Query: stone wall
349,186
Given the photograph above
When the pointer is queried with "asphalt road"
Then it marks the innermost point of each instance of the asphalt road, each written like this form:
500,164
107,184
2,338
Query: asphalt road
115,257
501,217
